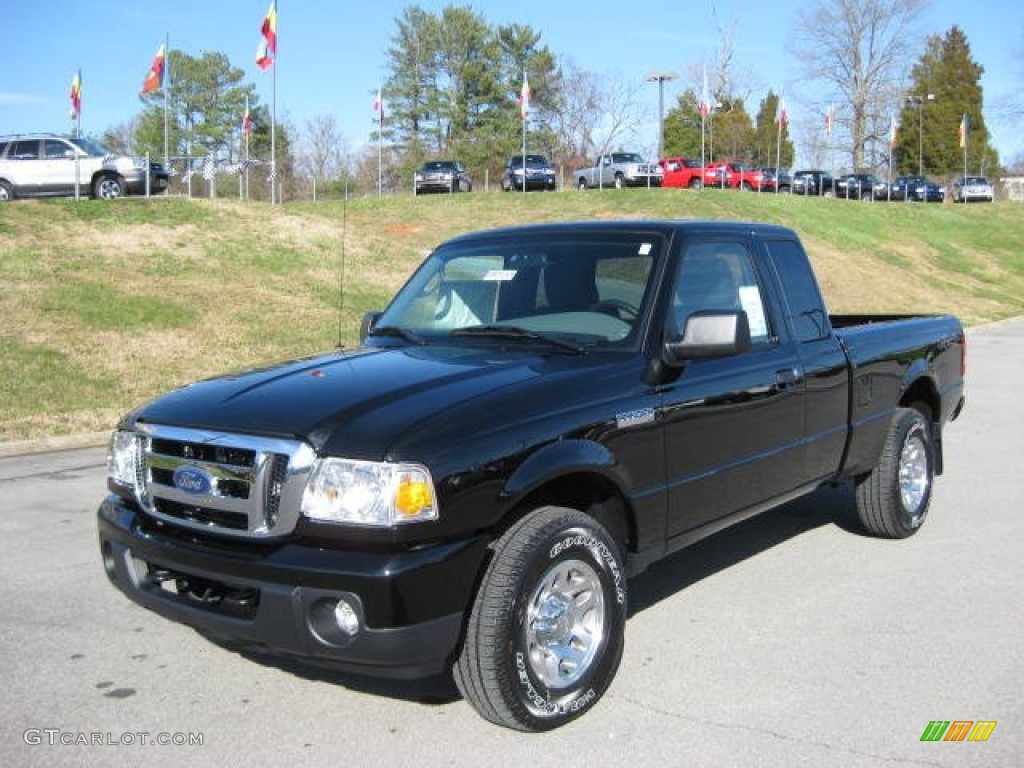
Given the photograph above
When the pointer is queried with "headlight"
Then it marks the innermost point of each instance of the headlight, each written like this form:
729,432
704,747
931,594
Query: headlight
369,493
122,459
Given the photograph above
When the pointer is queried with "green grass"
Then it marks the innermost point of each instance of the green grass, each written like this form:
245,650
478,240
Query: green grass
106,304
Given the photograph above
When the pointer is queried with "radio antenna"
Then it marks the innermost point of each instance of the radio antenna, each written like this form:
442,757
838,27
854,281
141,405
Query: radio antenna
341,269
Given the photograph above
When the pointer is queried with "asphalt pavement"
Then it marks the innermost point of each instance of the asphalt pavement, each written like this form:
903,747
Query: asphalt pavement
790,640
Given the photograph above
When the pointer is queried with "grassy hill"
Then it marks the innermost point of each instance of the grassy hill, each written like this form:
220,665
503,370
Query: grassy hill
105,304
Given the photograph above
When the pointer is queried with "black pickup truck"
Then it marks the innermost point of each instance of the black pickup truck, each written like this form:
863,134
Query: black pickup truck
540,413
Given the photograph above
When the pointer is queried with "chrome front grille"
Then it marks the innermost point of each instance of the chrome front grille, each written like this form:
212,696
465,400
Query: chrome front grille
236,485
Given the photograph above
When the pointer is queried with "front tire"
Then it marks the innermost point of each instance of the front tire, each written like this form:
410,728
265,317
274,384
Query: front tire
620,181
107,188
893,499
545,635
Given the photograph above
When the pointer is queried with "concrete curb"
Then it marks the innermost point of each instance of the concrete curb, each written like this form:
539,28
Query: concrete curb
57,443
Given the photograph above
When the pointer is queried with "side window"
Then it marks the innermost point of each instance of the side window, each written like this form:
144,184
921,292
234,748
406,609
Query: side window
806,307
719,276
54,148
26,149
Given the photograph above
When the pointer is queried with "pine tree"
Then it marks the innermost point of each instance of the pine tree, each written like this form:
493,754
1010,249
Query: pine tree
945,87
766,136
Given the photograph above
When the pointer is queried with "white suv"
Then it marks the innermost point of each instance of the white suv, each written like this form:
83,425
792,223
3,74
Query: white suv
48,165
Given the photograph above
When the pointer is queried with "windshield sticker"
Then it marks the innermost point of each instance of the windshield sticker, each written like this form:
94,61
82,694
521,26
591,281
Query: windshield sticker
645,249
500,275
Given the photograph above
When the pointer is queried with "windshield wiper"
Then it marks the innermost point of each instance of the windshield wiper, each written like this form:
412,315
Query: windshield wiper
515,332
397,332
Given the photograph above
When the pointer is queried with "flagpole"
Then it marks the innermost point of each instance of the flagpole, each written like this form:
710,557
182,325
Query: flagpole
273,135
273,119
524,111
380,141
778,143
167,87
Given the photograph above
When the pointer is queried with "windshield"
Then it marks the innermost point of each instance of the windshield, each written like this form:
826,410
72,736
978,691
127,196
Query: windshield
588,289
531,160
90,147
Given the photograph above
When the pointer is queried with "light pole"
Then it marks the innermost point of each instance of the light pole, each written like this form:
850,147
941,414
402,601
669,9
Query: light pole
919,102
660,78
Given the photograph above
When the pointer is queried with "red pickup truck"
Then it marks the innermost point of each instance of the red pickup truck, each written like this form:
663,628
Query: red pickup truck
683,172
731,175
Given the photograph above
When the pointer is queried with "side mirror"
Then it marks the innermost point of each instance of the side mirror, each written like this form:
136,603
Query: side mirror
710,334
369,321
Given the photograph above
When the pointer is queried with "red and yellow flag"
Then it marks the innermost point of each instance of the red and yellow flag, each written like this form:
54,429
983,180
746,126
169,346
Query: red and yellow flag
155,79
247,122
76,95
269,28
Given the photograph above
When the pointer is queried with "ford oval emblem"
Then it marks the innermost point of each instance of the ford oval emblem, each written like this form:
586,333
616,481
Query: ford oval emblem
192,480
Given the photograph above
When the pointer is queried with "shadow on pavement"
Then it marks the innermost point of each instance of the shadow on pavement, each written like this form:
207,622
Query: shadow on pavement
827,506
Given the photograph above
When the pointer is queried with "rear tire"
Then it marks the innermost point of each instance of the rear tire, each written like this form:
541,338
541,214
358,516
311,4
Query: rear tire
545,635
582,185
6,192
893,499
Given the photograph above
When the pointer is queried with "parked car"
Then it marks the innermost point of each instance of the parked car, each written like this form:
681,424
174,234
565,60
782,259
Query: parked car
732,175
973,188
813,182
857,186
442,176
682,172
48,165
619,170
775,180
535,173
912,188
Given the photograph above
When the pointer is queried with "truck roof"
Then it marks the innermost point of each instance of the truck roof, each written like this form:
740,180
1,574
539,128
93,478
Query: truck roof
659,226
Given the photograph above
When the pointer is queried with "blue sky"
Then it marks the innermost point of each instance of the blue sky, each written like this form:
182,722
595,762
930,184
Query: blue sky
332,53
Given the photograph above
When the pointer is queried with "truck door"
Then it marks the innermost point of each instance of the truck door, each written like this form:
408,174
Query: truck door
824,362
734,425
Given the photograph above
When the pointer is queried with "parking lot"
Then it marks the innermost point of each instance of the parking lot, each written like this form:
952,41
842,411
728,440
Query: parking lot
790,640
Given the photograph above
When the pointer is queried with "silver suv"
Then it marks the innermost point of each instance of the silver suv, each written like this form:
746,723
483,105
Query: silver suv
47,165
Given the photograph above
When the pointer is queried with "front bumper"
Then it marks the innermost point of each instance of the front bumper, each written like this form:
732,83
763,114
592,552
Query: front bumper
135,182
409,603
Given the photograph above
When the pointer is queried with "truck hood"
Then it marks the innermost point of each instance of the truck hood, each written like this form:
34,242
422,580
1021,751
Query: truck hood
357,403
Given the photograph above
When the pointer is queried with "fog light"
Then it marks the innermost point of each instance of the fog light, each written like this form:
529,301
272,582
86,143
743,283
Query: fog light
346,617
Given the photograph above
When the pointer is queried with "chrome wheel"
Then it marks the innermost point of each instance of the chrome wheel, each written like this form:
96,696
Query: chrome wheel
109,188
914,476
565,624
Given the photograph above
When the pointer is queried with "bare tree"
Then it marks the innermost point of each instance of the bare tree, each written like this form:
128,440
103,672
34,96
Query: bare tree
597,112
859,48
324,152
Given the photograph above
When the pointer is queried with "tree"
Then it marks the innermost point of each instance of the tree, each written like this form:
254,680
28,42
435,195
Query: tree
205,101
857,47
682,129
767,147
929,132
453,85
